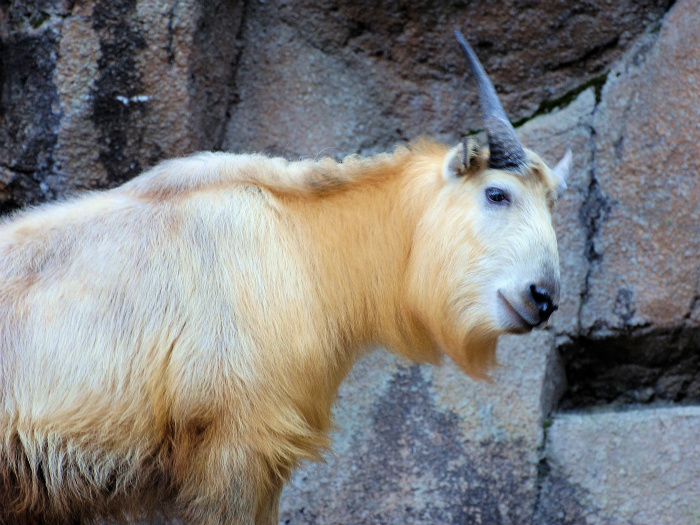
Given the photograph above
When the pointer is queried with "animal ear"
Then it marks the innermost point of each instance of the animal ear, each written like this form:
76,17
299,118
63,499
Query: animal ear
463,159
563,169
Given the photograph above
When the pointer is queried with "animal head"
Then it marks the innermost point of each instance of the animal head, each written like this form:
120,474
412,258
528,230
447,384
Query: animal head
488,262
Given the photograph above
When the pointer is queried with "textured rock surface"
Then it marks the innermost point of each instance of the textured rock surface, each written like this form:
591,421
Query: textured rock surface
375,73
95,92
628,468
648,128
639,335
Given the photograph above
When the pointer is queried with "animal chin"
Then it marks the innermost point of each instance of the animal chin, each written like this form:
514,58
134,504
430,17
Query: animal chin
516,323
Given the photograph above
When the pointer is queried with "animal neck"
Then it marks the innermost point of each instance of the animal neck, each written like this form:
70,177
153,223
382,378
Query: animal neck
354,245
360,239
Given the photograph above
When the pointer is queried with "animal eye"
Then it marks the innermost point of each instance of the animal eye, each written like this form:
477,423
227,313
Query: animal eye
497,196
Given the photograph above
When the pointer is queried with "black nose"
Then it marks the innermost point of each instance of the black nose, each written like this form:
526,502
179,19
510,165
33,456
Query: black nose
543,302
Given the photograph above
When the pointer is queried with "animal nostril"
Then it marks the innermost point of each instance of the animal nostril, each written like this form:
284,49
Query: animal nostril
539,295
543,301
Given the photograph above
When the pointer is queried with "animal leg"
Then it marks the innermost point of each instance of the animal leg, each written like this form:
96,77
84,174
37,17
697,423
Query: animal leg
218,488
269,507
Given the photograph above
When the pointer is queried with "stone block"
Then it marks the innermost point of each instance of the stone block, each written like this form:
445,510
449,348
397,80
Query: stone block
639,467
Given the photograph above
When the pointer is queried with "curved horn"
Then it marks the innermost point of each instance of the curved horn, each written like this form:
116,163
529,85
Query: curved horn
506,153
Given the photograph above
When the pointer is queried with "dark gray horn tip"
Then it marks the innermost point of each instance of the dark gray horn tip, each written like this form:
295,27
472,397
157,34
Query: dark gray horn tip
506,152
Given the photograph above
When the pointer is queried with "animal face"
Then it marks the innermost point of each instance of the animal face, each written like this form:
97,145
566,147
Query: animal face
486,245
485,259
517,265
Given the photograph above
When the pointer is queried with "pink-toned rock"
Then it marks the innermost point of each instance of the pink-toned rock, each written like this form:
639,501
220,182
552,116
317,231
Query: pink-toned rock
338,77
645,260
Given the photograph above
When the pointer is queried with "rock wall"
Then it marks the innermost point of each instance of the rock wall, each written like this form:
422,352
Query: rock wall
93,93
586,421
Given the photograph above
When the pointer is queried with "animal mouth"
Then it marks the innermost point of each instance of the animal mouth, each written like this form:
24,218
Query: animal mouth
518,322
